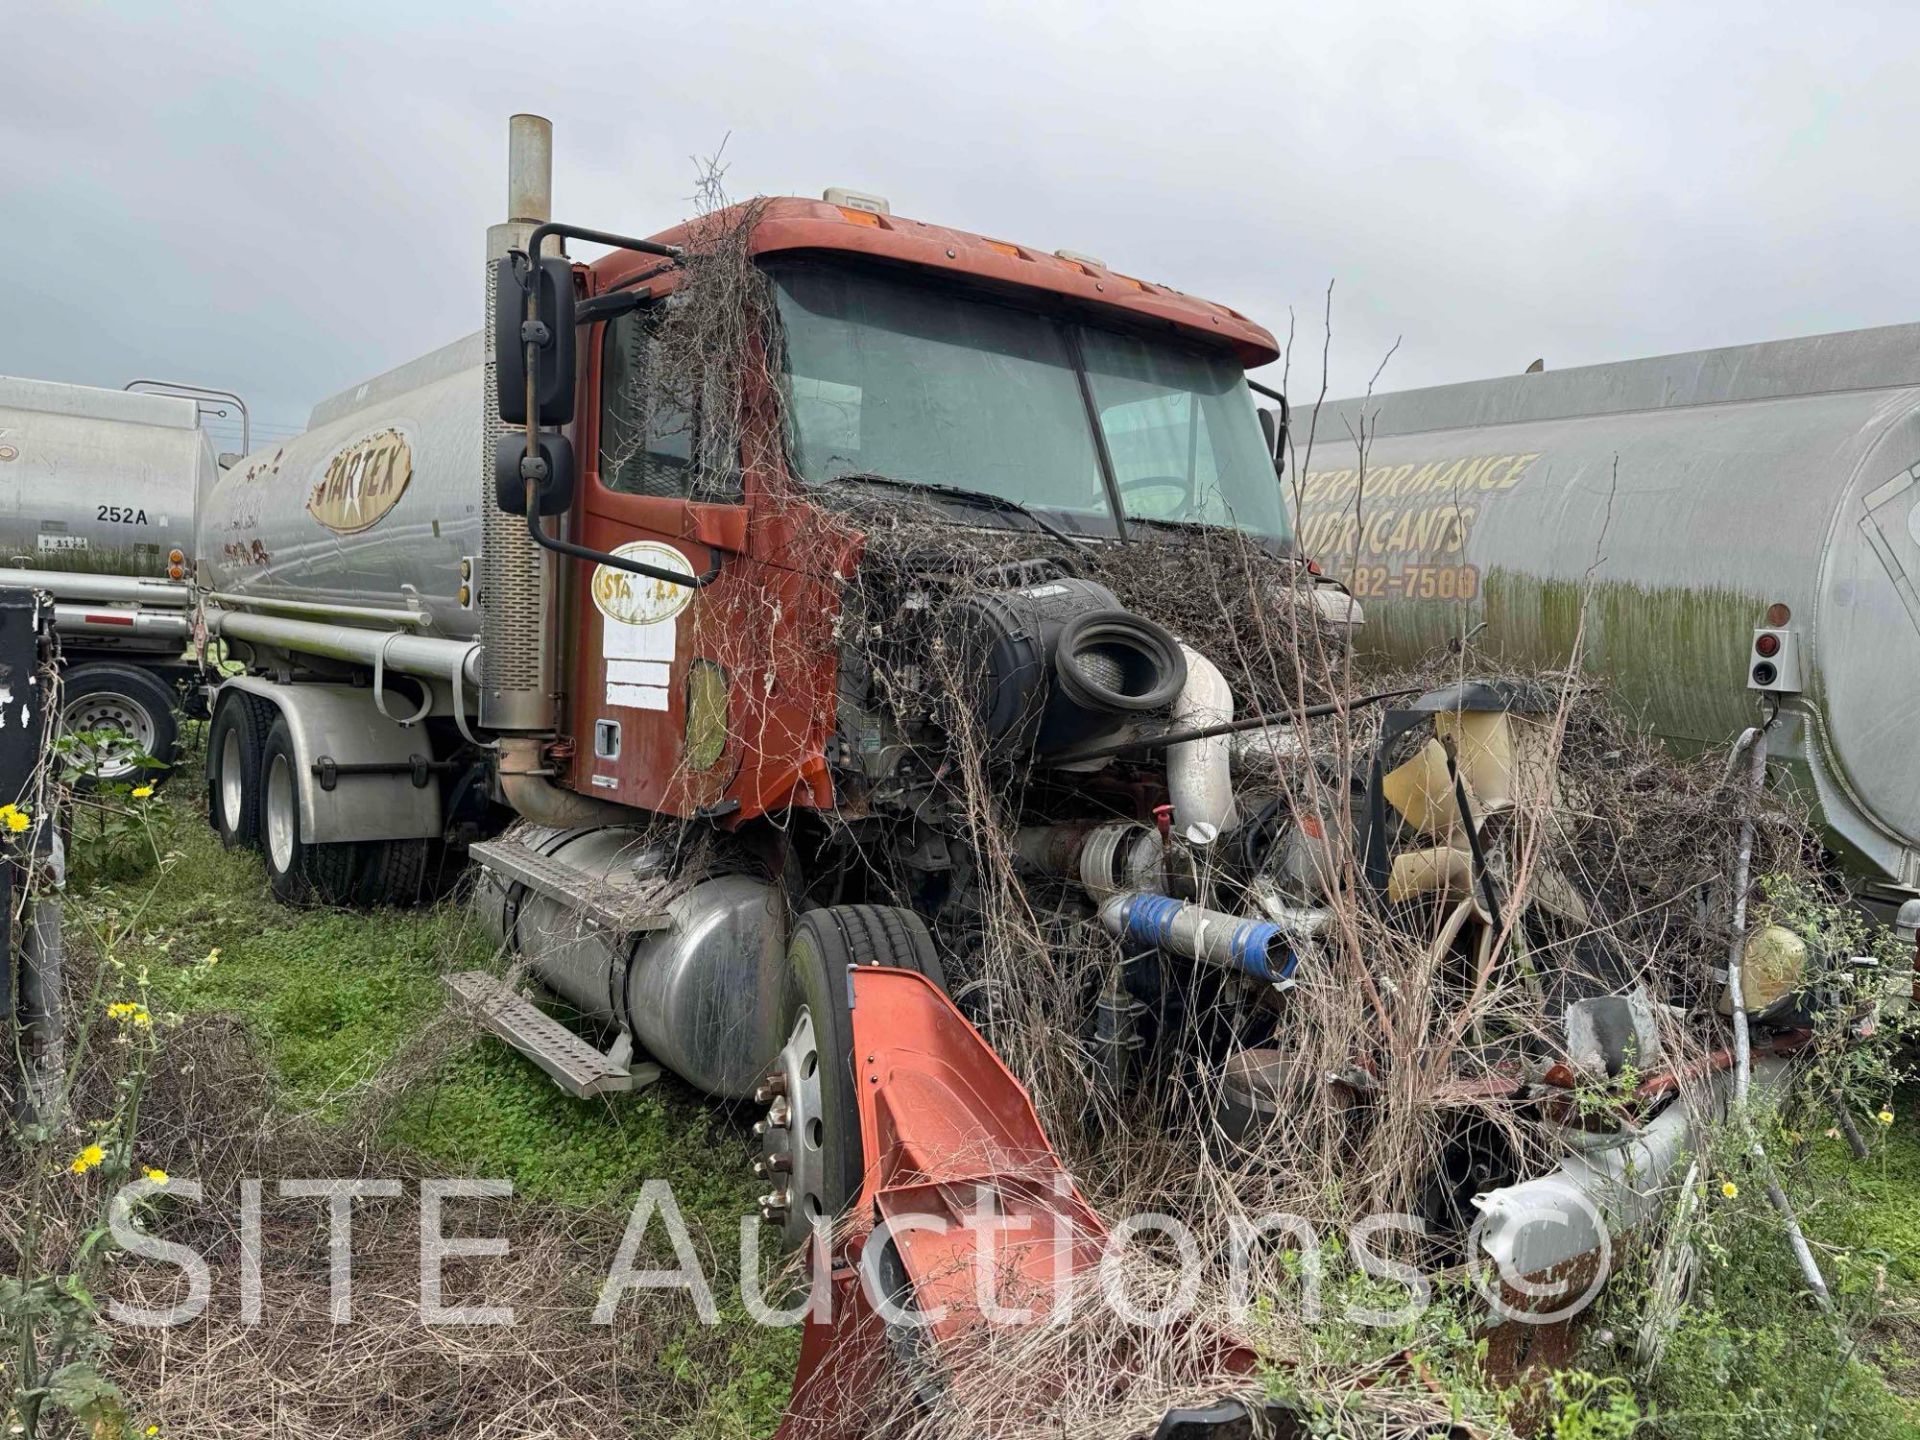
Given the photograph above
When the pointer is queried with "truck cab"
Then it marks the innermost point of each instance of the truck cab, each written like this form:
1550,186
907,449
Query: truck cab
1009,386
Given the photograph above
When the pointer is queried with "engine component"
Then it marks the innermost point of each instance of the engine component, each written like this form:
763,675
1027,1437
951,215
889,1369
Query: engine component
1104,859
1200,772
1263,949
1060,664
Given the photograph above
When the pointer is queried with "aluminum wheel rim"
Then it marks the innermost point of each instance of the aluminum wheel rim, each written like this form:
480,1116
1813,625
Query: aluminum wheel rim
230,777
795,1137
115,715
280,814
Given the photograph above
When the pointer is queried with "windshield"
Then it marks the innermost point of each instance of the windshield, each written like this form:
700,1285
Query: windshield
921,384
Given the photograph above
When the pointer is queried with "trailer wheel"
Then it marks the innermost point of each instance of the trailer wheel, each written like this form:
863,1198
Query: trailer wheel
812,1131
236,741
130,710
301,873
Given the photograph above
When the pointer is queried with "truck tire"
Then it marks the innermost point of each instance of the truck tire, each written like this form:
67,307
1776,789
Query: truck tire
823,1156
110,695
301,873
236,741
394,872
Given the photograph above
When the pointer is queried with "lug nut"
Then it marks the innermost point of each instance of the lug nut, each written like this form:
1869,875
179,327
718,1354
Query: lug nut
760,1127
760,1168
779,1113
780,1162
773,1204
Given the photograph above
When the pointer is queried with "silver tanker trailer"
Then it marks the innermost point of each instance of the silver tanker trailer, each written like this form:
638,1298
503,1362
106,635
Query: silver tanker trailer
99,491
1748,520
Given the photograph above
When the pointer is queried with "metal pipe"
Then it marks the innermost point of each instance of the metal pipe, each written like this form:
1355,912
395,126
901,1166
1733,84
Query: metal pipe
1260,948
196,392
529,169
76,585
147,624
320,609
1200,771
421,655
1104,859
1143,743
526,783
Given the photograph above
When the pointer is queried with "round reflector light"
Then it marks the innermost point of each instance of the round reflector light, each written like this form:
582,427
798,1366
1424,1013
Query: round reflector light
1778,614
1767,644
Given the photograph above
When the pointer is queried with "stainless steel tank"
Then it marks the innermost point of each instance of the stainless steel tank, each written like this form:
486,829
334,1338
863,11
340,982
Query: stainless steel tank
374,509
706,997
1691,492
98,481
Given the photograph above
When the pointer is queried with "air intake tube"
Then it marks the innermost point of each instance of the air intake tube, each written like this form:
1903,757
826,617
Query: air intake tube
1200,772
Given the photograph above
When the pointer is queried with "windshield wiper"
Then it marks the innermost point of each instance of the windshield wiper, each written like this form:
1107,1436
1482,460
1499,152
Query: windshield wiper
985,499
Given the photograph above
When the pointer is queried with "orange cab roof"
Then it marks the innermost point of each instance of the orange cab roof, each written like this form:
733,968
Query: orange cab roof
791,224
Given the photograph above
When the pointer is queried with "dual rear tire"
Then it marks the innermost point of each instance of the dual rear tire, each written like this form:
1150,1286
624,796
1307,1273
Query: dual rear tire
253,802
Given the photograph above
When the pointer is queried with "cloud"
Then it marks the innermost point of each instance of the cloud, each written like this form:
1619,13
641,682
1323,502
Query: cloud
285,200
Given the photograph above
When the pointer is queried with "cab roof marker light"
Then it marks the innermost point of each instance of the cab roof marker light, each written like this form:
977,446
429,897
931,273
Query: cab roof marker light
1075,257
845,199
1012,252
860,217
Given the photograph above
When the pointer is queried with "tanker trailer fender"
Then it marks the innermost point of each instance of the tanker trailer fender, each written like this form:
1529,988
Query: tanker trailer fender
334,729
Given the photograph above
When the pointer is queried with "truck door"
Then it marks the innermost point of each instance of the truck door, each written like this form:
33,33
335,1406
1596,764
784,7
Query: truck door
656,664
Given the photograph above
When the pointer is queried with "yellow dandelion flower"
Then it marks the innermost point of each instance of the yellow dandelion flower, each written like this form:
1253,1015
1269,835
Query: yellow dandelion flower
158,1177
87,1159
153,1430
1729,1189
141,792
18,821
121,1010
142,1020
1885,1117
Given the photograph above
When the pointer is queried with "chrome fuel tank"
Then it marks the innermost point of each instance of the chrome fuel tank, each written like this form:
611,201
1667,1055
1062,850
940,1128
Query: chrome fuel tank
706,996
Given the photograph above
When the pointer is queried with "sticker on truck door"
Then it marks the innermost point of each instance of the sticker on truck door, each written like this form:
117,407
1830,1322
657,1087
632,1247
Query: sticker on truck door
640,628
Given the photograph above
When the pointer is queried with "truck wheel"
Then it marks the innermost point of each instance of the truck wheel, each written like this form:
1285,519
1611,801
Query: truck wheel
301,873
812,1133
394,872
235,742
131,712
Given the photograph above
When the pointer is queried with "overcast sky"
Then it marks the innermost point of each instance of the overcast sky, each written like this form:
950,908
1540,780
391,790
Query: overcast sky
286,199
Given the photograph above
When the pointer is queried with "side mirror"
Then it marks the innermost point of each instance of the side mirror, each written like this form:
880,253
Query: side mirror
553,474
553,277
1273,425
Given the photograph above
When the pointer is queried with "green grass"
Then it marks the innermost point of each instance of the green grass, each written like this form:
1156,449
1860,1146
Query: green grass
334,997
